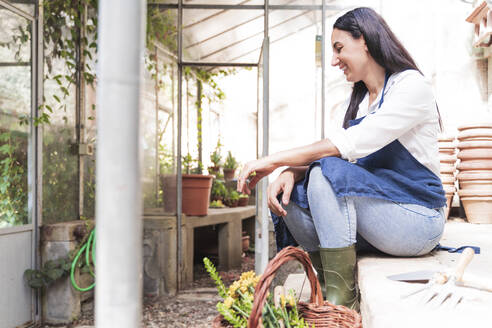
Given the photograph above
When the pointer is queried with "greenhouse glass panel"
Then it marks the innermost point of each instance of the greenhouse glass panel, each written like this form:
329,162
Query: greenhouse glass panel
167,133
295,78
15,111
60,155
28,6
162,30
237,38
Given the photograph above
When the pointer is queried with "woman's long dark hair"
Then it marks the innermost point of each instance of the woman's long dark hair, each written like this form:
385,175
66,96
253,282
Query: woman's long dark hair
382,44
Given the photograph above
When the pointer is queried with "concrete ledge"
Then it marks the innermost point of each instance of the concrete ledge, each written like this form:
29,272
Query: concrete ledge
381,302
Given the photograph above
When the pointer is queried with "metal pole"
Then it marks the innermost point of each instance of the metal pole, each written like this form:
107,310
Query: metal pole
118,203
323,40
179,185
261,238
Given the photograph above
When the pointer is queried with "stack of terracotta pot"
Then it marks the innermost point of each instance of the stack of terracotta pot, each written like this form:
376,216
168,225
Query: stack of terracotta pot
475,171
447,157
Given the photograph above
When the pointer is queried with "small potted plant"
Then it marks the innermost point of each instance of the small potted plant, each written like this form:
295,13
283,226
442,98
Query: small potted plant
196,188
215,158
230,166
232,198
243,200
219,190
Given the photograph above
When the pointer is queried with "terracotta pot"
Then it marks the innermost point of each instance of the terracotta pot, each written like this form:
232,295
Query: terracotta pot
475,126
229,174
449,189
447,179
475,165
475,153
243,201
168,184
447,168
444,138
231,203
445,158
474,175
474,144
214,170
475,134
478,209
449,199
196,194
245,243
485,185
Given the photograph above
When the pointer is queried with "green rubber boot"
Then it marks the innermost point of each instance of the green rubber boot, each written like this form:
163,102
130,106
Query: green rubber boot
339,273
316,261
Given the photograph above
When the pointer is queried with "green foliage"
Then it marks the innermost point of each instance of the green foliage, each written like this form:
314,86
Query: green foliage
166,160
13,180
216,157
215,277
54,270
64,21
238,301
162,28
216,204
230,162
218,189
187,163
232,195
49,273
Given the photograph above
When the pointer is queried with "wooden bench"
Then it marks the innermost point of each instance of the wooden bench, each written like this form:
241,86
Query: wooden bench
160,244
229,222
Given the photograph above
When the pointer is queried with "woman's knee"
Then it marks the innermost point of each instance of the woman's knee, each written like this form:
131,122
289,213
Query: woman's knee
318,184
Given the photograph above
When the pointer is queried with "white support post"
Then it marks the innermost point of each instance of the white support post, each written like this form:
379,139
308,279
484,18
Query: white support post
118,202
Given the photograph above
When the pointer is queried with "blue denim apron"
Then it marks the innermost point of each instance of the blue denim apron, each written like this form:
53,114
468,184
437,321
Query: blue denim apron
391,173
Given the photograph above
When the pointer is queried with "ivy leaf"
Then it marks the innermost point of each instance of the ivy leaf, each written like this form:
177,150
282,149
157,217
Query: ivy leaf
55,273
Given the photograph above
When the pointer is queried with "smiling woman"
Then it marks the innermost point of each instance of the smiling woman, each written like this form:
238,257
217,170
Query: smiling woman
373,183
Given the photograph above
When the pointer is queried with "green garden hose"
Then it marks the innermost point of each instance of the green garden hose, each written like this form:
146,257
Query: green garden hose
88,247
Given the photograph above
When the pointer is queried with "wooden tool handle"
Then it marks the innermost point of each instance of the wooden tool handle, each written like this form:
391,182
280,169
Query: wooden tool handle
465,258
482,283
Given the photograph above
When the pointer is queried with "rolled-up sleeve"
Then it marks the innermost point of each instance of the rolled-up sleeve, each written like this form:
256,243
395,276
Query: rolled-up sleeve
409,103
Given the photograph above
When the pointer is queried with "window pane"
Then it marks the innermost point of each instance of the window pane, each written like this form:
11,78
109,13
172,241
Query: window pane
15,108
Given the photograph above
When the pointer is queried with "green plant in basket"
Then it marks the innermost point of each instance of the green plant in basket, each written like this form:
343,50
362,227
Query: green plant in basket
238,302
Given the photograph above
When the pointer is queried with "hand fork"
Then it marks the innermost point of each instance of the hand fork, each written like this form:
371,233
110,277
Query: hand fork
442,288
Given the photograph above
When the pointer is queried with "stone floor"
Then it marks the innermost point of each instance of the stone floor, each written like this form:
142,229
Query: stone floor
382,305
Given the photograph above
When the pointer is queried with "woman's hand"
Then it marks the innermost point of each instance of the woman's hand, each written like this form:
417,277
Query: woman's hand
256,170
284,183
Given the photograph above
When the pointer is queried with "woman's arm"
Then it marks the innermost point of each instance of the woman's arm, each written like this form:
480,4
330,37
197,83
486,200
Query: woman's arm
295,157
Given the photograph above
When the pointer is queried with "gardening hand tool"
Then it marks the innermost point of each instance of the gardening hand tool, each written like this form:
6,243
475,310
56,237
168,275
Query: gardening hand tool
424,276
441,286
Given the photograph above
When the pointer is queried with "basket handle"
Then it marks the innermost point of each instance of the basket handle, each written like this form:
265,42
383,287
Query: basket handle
287,254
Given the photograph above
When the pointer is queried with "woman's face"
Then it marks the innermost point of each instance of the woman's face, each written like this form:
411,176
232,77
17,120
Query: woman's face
349,54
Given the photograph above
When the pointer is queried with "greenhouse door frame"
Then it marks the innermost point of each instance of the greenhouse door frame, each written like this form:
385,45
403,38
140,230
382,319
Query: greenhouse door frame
24,309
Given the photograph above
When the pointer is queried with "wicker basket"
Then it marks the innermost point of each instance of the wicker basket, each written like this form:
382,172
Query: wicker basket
321,314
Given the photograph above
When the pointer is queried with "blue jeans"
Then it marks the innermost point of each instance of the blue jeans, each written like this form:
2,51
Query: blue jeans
370,223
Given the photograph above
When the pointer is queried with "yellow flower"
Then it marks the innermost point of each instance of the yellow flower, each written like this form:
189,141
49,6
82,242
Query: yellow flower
282,300
291,300
228,302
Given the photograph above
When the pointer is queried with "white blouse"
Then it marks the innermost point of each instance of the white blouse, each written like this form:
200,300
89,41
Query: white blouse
408,113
